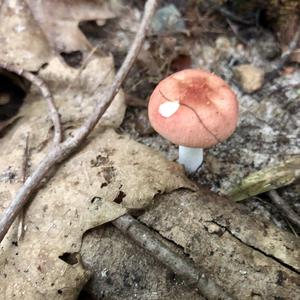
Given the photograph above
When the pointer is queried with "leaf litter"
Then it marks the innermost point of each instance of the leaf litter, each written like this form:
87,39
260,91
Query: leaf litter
110,175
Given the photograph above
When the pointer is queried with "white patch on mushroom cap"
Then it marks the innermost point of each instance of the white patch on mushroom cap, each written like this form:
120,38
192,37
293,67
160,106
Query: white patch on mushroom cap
168,108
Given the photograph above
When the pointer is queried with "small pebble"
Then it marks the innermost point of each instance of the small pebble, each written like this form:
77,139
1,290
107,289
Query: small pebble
168,18
251,78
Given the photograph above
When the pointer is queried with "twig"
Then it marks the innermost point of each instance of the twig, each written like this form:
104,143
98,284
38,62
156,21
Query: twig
185,268
63,150
284,57
24,172
284,207
292,228
53,112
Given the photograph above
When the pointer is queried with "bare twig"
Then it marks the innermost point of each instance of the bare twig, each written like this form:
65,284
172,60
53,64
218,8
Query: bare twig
284,207
181,266
24,172
284,57
53,112
63,150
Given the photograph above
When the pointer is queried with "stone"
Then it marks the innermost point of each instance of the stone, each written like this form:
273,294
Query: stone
250,78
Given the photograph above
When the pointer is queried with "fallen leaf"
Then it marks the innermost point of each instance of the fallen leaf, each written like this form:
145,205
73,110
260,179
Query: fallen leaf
76,91
110,175
22,41
60,19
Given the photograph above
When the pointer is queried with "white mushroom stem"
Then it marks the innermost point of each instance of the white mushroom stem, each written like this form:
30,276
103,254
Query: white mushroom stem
191,158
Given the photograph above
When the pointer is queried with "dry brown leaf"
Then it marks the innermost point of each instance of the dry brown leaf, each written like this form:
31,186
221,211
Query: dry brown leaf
24,44
22,41
60,19
76,91
112,173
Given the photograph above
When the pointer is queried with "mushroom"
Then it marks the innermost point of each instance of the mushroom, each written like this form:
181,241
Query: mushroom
194,109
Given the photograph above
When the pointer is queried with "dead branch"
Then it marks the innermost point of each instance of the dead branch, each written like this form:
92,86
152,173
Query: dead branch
284,207
63,150
37,81
149,240
24,174
25,159
284,57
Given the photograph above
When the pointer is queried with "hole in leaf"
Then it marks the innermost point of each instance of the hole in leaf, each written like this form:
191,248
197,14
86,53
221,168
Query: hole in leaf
69,258
120,197
103,184
95,199
73,59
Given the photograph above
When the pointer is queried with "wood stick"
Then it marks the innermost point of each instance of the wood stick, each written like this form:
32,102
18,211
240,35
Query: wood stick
185,268
284,57
284,207
24,175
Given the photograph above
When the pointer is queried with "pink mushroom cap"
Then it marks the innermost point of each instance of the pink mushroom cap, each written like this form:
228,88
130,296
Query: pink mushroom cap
207,113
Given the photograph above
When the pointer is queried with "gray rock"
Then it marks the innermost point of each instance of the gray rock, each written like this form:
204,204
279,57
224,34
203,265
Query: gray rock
168,18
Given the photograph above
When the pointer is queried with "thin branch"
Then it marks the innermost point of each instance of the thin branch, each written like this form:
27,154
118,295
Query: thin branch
63,150
122,73
24,173
284,207
284,57
37,81
181,266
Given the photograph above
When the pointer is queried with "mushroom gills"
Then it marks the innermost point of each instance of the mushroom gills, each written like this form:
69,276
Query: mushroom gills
190,158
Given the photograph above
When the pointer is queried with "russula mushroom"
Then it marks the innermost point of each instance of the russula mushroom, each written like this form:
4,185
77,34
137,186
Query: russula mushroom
194,109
